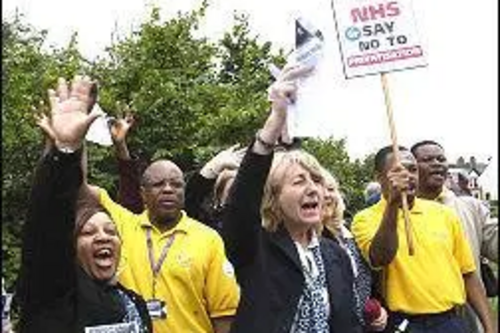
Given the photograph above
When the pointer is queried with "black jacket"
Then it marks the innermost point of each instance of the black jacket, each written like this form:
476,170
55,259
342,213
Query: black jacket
267,264
54,293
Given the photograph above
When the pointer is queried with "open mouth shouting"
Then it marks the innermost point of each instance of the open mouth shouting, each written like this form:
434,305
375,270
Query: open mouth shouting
102,262
98,247
104,258
310,209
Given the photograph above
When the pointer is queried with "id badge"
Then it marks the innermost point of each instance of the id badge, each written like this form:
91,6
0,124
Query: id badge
157,309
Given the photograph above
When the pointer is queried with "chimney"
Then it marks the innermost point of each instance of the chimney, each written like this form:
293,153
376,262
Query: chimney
473,162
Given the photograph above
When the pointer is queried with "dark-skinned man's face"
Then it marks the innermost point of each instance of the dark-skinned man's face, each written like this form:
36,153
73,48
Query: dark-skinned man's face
432,167
163,190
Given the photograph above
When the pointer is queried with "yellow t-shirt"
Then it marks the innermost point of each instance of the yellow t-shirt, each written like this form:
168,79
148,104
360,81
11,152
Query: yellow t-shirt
196,281
431,280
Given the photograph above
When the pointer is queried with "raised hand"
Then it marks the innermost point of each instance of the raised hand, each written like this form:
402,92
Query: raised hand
43,121
399,180
284,90
69,117
281,93
229,158
119,128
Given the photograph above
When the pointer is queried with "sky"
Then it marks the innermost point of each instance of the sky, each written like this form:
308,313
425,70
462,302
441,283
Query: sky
453,100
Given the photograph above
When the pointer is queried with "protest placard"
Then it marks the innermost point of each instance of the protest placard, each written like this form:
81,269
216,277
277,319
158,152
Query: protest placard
374,37
377,36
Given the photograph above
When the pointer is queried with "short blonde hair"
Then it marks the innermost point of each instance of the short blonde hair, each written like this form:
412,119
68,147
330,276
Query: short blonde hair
333,214
272,214
220,184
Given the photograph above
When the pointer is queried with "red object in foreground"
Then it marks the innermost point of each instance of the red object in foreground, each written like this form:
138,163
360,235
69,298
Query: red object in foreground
372,310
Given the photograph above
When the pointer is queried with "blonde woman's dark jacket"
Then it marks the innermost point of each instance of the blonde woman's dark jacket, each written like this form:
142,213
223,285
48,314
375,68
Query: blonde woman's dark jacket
267,264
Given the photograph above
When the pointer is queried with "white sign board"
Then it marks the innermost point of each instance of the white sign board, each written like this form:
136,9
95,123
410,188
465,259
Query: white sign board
377,36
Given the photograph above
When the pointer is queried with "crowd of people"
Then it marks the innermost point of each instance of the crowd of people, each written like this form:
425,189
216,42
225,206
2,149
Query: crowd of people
270,253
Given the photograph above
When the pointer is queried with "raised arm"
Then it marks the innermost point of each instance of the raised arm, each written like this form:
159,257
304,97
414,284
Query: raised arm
47,268
48,254
129,186
201,184
119,129
242,219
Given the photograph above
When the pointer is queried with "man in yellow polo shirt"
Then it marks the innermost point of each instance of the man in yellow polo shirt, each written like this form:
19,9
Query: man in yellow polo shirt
176,263
426,288
480,228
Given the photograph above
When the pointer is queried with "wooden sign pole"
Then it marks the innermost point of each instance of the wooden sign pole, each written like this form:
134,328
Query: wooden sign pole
404,199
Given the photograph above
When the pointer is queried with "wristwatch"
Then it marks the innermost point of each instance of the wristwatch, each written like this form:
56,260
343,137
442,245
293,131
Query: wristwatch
267,145
66,150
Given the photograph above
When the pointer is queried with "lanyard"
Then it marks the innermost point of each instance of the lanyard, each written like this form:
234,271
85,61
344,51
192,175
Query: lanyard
155,267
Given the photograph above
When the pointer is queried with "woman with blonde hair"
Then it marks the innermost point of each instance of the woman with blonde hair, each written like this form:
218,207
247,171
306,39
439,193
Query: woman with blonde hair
291,279
368,310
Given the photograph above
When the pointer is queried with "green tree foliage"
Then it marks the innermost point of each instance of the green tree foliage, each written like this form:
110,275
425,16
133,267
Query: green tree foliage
245,75
27,73
192,97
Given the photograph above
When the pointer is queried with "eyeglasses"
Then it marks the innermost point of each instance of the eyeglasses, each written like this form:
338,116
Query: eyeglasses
158,185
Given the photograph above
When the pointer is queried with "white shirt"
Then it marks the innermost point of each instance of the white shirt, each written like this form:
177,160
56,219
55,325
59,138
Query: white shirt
309,267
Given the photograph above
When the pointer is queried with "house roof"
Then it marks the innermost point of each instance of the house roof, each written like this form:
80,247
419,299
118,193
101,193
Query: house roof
478,168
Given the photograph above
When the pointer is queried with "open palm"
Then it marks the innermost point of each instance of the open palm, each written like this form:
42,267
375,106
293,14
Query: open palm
120,127
69,119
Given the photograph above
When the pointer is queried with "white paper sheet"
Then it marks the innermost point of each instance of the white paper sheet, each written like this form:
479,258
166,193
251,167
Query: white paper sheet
99,130
306,117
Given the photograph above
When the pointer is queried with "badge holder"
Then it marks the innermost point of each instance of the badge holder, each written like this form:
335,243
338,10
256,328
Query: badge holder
157,309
